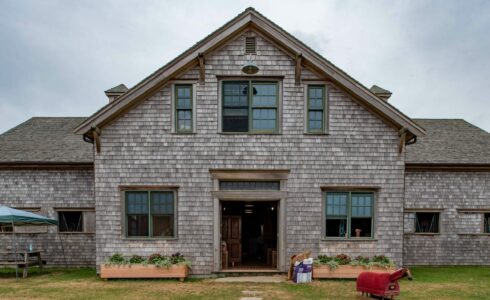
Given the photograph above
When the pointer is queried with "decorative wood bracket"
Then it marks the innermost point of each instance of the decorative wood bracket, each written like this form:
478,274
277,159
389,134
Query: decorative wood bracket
96,132
402,137
202,72
299,59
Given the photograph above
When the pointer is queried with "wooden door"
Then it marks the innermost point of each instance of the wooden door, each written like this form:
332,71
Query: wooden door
231,233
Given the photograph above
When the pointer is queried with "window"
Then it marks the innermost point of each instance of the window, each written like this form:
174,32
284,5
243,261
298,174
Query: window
486,223
254,112
249,185
349,214
427,222
150,214
72,221
5,228
183,108
316,109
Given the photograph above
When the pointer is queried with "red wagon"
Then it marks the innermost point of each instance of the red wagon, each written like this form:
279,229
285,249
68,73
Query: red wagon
381,285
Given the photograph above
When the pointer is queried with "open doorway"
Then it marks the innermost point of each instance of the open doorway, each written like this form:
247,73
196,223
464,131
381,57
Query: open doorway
249,235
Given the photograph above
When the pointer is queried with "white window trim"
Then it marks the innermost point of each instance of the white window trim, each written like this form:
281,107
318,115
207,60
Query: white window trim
172,104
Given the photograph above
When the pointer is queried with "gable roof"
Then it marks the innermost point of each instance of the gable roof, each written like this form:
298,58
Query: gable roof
250,18
450,141
45,140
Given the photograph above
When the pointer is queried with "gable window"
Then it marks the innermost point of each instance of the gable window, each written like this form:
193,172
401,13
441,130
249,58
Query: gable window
427,222
349,214
250,112
75,221
486,223
150,213
316,104
183,108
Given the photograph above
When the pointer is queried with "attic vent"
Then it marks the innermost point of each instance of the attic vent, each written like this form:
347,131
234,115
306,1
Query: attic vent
250,45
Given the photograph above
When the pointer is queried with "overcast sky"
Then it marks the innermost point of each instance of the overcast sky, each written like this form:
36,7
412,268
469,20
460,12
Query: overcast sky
57,57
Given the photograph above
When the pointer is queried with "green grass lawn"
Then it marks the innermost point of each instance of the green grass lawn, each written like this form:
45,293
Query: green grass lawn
429,283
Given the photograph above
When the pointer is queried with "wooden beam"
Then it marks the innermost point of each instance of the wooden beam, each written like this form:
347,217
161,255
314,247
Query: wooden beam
446,167
299,59
47,166
202,72
243,174
402,138
249,195
96,132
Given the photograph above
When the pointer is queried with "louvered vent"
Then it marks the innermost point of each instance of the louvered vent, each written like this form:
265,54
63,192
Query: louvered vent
250,45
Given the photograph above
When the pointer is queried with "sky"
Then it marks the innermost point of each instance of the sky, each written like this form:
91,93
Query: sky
58,57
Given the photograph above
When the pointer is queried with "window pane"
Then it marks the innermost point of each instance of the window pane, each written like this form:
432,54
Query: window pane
235,124
264,119
137,225
362,205
183,91
137,202
235,107
162,203
315,92
235,101
163,225
6,228
184,103
361,227
70,221
264,95
427,222
336,227
337,204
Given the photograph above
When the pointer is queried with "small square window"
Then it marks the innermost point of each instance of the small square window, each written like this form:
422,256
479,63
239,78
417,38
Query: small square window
427,222
70,221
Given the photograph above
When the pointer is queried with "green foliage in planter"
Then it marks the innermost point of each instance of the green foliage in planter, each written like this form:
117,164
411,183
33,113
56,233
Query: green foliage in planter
117,259
136,259
155,259
333,262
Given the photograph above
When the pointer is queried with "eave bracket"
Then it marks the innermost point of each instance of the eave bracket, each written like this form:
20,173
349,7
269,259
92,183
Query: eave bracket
299,59
202,71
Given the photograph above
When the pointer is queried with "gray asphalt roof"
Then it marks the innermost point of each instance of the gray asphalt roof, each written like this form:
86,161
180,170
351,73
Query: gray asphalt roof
51,139
45,139
450,141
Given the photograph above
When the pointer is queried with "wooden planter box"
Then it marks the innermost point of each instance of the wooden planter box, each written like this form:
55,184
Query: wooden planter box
345,271
143,271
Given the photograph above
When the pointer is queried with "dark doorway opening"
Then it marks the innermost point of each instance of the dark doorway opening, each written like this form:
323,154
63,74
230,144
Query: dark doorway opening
249,235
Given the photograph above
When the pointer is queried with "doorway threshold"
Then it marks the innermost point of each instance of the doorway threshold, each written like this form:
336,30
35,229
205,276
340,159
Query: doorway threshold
249,270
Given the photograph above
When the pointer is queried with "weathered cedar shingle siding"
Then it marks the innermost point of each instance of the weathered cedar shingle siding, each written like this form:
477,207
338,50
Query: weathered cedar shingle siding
49,189
458,241
138,149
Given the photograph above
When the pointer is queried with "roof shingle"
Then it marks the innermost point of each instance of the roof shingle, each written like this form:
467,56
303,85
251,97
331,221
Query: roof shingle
450,141
45,140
